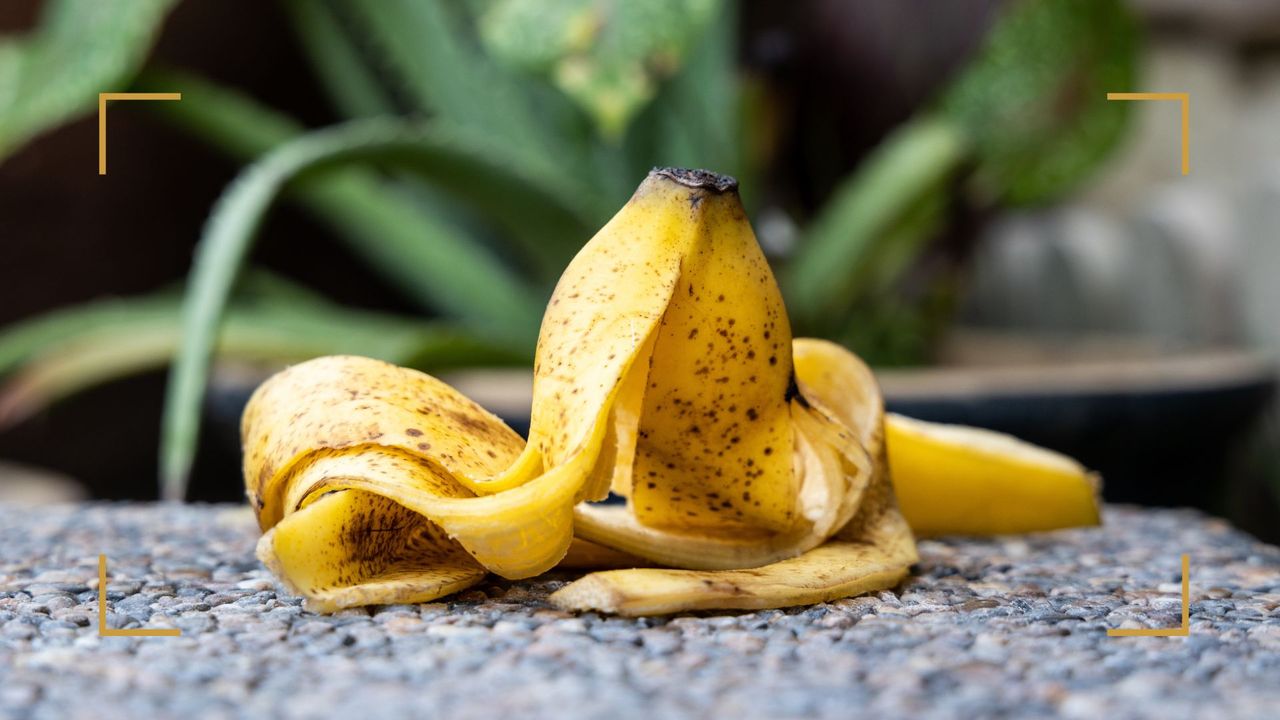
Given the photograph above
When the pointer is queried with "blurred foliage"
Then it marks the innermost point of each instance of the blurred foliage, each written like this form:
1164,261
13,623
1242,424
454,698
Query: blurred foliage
1032,103
486,140
1025,122
608,55
64,352
79,49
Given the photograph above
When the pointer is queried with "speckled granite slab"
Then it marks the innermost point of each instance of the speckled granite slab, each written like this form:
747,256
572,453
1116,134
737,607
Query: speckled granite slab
1007,627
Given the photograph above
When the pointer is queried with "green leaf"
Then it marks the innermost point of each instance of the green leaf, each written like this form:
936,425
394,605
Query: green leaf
896,315
20,342
894,331
547,210
79,49
705,102
462,279
429,50
695,121
346,74
225,118
610,56
62,353
853,235
465,281
1034,102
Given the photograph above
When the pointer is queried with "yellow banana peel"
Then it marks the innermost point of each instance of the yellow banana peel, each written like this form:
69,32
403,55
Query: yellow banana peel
956,480
753,464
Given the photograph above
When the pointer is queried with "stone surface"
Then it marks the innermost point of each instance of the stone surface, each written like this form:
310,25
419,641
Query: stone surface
996,627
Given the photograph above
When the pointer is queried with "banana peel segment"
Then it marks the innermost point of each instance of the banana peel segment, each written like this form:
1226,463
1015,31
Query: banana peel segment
957,480
665,372
873,550
877,560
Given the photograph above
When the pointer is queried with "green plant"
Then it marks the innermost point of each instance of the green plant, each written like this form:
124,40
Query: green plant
486,140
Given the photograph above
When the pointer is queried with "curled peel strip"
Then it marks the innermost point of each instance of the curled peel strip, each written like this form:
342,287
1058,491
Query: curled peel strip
753,465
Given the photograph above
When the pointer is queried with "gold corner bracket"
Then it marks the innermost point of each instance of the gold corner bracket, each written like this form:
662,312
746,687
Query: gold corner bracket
103,630
103,98
1183,631
1184,99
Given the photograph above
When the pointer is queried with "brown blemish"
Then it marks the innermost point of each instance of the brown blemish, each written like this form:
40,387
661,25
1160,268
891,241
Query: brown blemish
470,422
793,392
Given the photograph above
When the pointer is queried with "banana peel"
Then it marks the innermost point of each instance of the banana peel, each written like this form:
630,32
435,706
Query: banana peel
956,480
754,465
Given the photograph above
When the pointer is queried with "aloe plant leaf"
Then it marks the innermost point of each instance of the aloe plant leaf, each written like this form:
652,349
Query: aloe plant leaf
346,74
896,314
840,247
1030,113
1033,103
695,119
21,341
610,56
79,49
48,358
705,102
467,283
548,211
430,50
225,118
